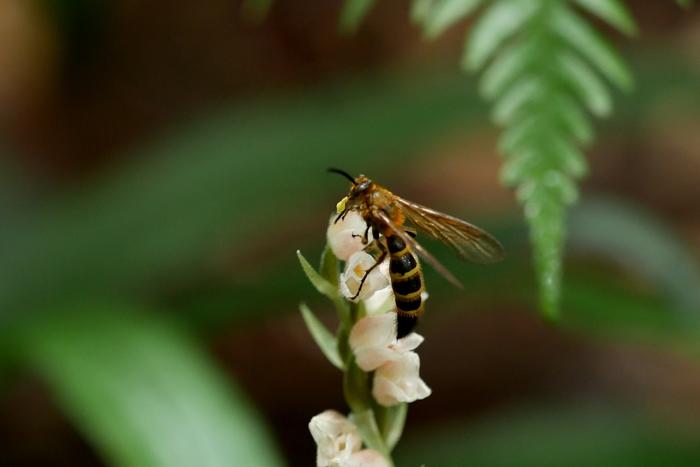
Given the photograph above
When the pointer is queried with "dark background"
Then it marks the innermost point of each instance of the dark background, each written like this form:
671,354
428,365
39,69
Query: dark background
172,153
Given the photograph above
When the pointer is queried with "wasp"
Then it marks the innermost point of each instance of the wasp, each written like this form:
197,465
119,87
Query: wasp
394,222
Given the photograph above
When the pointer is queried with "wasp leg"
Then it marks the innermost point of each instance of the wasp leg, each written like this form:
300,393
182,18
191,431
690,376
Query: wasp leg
365,236
341,215
377,251
410,231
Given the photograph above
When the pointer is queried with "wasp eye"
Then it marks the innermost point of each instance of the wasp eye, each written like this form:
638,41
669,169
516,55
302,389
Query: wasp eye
363,186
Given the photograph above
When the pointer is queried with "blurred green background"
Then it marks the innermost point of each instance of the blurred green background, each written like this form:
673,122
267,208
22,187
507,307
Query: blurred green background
162,162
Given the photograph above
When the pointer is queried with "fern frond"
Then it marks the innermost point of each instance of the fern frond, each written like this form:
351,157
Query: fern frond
443,14
544,67
612,11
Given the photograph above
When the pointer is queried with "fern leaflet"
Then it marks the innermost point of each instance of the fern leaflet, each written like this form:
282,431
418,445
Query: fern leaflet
542,66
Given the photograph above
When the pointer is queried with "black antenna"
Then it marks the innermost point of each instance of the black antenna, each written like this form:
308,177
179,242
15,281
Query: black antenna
343,173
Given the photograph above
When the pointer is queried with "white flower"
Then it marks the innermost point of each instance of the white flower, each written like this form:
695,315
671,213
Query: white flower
398,381
345,236
336,438
373,341
339,444
380,301
366,458
396,378
355,268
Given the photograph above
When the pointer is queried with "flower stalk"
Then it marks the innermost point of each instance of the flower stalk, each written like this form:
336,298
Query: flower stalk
380,373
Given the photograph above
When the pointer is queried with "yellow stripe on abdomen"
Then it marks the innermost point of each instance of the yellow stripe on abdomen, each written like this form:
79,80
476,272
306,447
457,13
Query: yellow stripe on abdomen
407,283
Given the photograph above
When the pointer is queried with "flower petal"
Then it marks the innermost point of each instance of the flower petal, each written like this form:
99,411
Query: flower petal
410,342
355,268
398,381
336,438
367,458
371,338
380,301
345,236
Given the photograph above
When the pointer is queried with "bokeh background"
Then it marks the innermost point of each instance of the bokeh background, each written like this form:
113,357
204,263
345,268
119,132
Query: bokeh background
163,161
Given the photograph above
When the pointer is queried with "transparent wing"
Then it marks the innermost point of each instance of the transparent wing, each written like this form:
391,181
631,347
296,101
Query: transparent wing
468,241
383,219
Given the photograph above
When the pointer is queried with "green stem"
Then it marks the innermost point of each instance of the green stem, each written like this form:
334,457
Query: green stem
357,390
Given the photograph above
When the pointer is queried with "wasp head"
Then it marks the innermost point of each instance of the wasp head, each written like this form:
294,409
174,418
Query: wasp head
356,197
360,187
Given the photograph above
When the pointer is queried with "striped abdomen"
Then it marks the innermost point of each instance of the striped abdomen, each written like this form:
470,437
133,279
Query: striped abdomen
407,282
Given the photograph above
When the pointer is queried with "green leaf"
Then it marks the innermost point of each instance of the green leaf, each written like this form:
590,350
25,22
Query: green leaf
609,306
544,212
685,3
533,148
555,154
512,103
392,420
325,340
142,391
612,11
354,11
356,386
589,43
322,285
565,119
586,84
520,134
367,426
567,157
420,9
503,19
505,69
573,118
329,267
518,168
444,13
325,287
579,433
635,239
